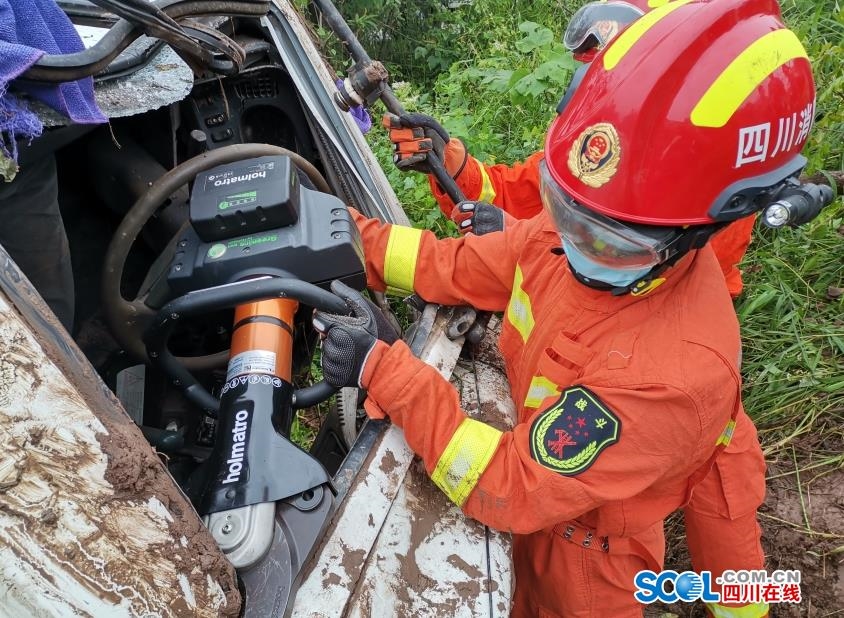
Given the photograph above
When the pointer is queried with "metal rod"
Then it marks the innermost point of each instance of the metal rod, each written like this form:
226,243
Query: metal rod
339,26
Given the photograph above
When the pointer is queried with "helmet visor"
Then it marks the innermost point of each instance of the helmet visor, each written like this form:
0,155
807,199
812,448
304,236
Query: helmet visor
596,24
605,241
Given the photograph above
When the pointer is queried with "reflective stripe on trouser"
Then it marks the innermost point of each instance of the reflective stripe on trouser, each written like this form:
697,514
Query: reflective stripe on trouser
400,258
519,311
464,459
727,435
487,190
755,610
722,531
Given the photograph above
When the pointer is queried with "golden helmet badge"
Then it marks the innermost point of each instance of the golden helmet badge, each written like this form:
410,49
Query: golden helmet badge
595,154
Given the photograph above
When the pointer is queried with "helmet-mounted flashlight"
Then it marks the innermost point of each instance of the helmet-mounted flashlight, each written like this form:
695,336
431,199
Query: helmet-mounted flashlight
797,204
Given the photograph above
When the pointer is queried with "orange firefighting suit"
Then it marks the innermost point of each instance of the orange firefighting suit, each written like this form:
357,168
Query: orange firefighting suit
624,403
515,189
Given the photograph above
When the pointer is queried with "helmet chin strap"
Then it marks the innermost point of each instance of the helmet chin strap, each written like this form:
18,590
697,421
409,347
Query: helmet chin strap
690,239
640,284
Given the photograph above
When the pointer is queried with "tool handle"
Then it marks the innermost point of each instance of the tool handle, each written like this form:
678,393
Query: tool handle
448,184
339,26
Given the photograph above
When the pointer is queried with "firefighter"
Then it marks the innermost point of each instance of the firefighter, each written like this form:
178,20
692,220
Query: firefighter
514,189
620,341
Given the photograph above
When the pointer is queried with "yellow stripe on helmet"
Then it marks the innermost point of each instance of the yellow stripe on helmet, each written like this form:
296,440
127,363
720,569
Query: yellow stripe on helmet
624,41
401,257
465,458
743,75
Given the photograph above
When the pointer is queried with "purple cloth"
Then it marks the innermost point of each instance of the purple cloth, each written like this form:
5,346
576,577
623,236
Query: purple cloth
359,113
28,30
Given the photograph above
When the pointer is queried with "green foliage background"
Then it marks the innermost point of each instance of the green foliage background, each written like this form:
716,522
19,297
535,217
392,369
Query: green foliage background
492,71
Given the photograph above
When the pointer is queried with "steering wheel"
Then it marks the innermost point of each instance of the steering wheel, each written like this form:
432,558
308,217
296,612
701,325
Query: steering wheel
128,319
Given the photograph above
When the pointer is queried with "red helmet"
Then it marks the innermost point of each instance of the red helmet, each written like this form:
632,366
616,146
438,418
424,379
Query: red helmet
690,116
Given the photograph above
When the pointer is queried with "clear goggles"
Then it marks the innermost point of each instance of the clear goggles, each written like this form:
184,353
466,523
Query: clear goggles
604,240
596,24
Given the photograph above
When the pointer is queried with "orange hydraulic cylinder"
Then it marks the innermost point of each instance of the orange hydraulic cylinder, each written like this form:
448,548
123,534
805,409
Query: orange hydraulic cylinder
266,325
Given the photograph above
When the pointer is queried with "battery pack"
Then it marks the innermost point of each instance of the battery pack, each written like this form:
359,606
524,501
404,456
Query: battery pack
245,197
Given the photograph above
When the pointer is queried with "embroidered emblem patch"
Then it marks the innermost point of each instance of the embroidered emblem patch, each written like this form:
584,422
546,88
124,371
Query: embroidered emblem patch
595,154
569,436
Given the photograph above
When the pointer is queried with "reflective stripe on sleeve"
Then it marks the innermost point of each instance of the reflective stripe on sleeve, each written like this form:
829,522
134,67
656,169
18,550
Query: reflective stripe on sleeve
755,610
519,312
539,390
400,258
487,190
465,458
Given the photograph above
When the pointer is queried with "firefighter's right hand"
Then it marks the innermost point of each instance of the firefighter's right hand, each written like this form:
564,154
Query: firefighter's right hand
349,339
414,136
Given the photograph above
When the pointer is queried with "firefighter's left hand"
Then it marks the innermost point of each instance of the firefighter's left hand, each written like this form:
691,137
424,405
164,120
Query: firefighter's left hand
414,136
349,339
478,218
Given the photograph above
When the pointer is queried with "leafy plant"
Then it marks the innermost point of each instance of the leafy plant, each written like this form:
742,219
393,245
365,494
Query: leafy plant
415,36
498,104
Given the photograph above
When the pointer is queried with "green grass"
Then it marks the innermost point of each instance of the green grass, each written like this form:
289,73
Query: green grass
791,313
793,335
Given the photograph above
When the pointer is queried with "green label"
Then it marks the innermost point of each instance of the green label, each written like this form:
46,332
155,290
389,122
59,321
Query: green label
251,241
216,250
238,199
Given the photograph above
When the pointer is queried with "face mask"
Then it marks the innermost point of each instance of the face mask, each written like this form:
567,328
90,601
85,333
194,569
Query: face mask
588,269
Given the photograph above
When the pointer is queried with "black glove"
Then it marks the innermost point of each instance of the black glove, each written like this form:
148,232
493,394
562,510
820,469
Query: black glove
415,135
350,338
478,218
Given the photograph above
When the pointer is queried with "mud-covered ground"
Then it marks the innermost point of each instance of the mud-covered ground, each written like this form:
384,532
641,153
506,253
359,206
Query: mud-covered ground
797,533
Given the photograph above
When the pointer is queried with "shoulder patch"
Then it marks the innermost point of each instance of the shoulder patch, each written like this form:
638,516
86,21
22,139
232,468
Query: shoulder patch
568,437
